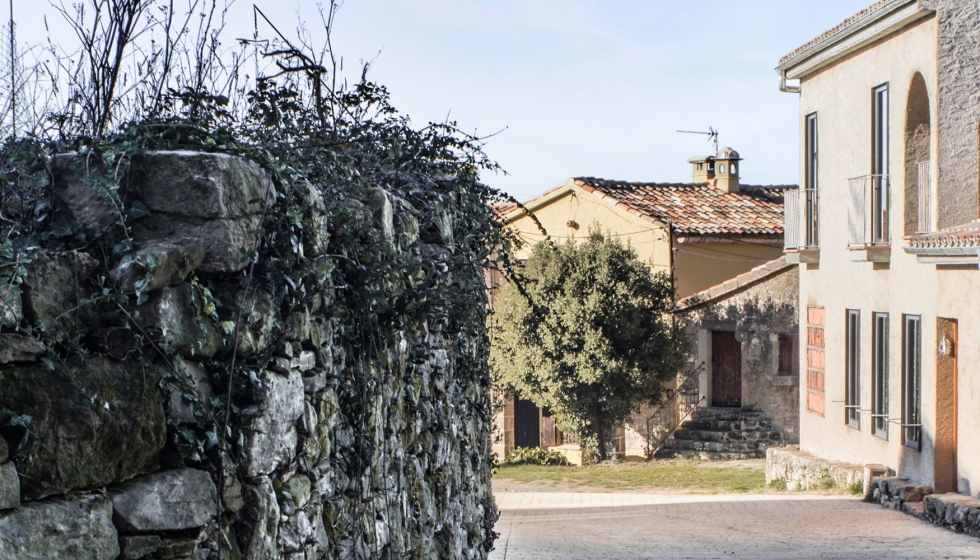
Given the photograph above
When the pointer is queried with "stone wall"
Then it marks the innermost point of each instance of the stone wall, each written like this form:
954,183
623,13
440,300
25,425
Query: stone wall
802,471
959,110
346,438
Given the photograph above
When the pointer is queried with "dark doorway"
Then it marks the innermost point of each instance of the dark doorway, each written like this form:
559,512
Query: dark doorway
726,370
527,423
946,374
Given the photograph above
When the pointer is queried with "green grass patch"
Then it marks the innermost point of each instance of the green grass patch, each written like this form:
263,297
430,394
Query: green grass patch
779,485
690,476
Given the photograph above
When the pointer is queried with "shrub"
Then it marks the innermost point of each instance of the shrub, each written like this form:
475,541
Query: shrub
536,456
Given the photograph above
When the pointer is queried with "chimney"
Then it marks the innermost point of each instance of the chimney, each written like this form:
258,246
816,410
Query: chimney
726,170
704,169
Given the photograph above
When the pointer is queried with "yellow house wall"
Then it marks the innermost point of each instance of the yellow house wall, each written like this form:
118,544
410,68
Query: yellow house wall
841,95
585,209
700,266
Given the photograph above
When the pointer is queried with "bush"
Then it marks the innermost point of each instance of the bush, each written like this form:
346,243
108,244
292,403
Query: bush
536,456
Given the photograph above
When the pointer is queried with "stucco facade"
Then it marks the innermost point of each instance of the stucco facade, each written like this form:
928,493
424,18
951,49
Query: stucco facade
901,44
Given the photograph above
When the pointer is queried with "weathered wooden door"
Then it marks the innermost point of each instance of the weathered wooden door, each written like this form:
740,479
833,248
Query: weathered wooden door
527,423
726,369
946,379
547,429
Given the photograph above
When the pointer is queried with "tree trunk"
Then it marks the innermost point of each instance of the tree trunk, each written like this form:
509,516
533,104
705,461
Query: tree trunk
599,431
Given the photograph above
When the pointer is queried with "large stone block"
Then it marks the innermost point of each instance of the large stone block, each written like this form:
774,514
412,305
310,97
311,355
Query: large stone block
191,392
226,241
262,512
96,422
260,322
18,348
165,501
174,311
49,289
164,262
11,307
271,437
203,185
9,486
68,529
79,192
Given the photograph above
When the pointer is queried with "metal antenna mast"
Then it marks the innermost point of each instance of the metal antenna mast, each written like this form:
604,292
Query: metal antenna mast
712,136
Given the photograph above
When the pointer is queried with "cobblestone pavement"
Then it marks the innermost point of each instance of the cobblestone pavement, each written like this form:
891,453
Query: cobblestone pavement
572,526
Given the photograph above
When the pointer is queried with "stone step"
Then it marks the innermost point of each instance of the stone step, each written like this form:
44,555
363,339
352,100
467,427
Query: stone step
707,455
714,446
768,436
725,414
727,425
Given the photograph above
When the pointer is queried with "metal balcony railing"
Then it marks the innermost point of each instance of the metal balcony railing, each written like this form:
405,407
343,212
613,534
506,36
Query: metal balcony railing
679,405
868,212
791,227
810,214
924,171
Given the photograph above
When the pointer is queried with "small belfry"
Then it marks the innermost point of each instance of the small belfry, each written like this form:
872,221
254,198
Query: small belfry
720,170
726,170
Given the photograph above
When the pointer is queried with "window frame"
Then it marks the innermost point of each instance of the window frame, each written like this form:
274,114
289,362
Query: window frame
852,369
811,162
880,136
912,382
879,374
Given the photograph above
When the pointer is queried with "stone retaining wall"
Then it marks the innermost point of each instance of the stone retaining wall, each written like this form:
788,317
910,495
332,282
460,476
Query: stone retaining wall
802,471
109,450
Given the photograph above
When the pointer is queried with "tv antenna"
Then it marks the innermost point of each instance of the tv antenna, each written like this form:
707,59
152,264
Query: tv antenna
712,135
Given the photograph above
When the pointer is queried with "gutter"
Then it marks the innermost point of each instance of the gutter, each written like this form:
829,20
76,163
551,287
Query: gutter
783,86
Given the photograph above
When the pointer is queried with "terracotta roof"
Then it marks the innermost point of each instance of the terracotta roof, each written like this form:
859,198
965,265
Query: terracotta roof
843,26
698,209
728,287
501,209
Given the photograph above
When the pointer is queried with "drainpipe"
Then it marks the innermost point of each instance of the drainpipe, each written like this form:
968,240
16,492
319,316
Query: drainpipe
784,87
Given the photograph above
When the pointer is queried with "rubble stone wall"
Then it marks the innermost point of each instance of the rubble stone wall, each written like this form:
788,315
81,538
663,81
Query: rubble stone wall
346,439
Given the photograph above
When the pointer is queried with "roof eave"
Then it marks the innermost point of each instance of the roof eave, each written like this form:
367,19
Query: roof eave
891,17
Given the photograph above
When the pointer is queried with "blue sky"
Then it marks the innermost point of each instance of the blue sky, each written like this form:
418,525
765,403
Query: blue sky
578,87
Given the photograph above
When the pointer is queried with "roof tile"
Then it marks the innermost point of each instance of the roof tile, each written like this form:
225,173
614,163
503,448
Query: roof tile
699,209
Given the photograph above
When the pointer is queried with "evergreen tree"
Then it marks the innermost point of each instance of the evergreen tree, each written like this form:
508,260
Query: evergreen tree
586,334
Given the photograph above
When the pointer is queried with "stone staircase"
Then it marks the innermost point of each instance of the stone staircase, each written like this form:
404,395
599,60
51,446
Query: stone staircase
723,434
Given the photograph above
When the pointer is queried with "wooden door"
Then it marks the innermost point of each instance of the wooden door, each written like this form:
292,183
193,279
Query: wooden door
527,423
547,429
946,477
726,369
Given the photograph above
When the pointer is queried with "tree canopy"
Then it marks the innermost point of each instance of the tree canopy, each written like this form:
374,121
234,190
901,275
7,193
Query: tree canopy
586,334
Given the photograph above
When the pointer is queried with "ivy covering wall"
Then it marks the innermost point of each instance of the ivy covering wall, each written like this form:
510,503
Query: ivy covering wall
254,339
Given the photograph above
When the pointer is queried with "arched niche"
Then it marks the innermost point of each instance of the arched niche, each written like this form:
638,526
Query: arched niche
918,144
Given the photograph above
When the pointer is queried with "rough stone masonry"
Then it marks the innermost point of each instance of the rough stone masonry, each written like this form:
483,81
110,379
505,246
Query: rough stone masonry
88,465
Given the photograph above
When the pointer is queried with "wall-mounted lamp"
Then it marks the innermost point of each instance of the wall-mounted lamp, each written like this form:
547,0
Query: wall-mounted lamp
945,347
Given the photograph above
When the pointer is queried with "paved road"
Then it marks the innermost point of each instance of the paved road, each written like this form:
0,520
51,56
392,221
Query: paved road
572,526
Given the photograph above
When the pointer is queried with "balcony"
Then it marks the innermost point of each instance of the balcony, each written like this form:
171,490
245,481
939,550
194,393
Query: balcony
867,220
799,244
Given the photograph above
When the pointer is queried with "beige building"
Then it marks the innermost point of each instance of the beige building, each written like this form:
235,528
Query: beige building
884,230
706,232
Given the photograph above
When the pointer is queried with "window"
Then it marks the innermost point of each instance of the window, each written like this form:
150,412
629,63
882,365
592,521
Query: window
733,168
879,166
879,376
721,168
852,355
912,381
700,166
811,181
787,355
